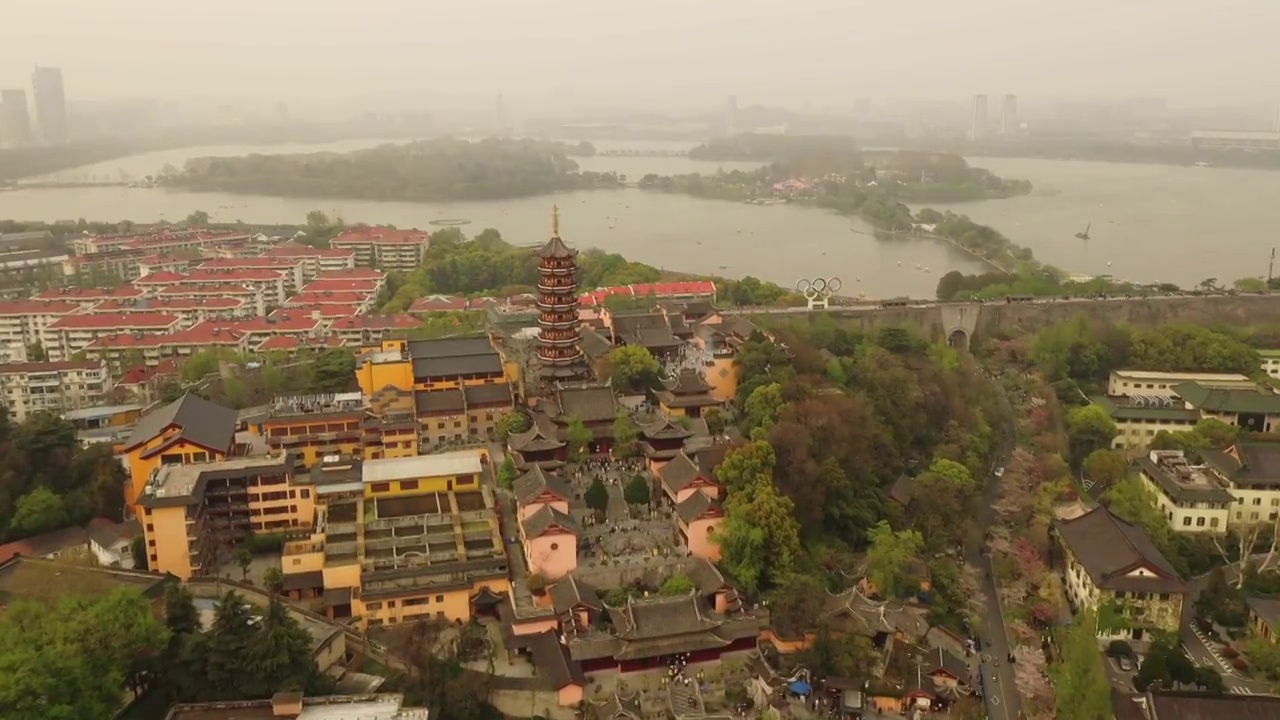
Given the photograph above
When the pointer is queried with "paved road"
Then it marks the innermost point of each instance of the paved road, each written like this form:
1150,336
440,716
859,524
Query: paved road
1002,699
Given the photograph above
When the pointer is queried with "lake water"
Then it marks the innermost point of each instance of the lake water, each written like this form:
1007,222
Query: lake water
1149,222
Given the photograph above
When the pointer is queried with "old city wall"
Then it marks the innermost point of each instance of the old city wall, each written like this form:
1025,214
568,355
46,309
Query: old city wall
940,322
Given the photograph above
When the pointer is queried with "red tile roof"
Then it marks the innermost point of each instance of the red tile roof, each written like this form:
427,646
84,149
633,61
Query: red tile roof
691,288
79,293
327,298
363,286
212,289
376,322
162,277
164,260
162,304
290,249
327,312
232,275
47,367
142,373
438,303
379,236
33,307
293,342
158,321
351,274
249,262
278,323
198,334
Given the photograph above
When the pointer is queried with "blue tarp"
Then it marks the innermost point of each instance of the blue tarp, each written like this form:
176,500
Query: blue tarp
800,687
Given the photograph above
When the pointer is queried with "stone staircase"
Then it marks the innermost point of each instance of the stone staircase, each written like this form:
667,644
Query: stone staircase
680,696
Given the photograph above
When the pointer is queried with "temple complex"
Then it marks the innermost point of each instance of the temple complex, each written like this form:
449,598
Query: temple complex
559,342
686,395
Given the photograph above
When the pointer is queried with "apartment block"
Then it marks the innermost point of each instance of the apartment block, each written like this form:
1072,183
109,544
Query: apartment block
1193,498
125,351
315,260
1113,569
189,311
251,296
1144,382
162,242
292,268
55,387
26,322
73,333
270,282
193,514
88,296
368,330
1142,404
383,248
401,539
189,430
363,301
164,263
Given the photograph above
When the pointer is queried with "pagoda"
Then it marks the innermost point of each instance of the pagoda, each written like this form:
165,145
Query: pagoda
559,339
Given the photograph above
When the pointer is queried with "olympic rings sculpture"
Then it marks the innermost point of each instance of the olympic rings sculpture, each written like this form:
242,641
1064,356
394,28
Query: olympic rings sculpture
819,287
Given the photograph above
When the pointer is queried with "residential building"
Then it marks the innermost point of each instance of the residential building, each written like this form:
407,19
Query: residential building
1113,569
111,542
269,281
437,364
164,263
1130,383
186,431
327,313
312,427
293,706
1158,704
367,330
48,545
252,297
1254,408
1264,617
368,287
162,241
354,273
193,513
258,329
452,416
384,248
978,123
291,267
23,323
1250,471
15,119
125,351
402,539
1009,115
363,301
1139,418
189,311
56,387
315,260
51,105
88,297
73,333
1193,498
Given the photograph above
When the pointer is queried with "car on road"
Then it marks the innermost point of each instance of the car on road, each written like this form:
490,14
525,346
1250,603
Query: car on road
1125,663
999,472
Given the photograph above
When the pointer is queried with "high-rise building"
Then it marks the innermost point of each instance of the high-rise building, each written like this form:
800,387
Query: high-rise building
1275,122
731,115
978,125
51,104
1009,115
15,122
559,339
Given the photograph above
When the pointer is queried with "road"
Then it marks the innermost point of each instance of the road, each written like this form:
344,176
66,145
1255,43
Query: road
1203,652
1002,699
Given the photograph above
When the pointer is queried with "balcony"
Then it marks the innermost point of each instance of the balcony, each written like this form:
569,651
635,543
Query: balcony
570,305
567,287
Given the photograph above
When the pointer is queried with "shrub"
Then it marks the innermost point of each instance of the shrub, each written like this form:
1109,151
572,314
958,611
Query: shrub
1230,653
1119,649
1239,664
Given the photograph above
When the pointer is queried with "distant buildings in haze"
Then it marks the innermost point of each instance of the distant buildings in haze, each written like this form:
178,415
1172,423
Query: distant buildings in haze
978,123
1009,115
51,104
15,120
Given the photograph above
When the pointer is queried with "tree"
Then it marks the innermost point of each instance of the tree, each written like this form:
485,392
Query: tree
795,604
676,585
1106,467
636,491
507,473
956,475
273,580
889,559
138,551
597,496
37,353
244,559
742,466
334,370
1081,690
199,218
512,423
229,644
37,512
1166,666
579,438
280,657
762,408
760,538
715,420
180,614
625,435
1089,428
1210,681
633,367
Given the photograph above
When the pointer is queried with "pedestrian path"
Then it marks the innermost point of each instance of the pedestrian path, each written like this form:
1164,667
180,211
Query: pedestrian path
1237,690
1213,651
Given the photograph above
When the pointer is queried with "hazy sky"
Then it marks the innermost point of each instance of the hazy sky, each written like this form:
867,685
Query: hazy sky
661,53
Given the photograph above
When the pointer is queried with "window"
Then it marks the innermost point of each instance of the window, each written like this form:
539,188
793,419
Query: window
153,558
439,598
1275,502
297,561
199,457
1257,501
411,602
1213,522
172,459
408,484
380,487
1164,596
465,480
1186,520
151,528
305,493
1200,521
1253,516
391,603
373,606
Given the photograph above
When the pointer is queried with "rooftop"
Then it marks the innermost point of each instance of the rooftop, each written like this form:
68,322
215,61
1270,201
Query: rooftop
1225,400
376,322
33,368
1247,462
178,484
84,293
351,274
329,707
1143,407
379,236
1180,480
198,420
328,297
138,320
1117,555
33,307
462,462
1181,376
33,578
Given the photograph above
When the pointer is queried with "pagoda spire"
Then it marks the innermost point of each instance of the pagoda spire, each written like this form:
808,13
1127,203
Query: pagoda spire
555,221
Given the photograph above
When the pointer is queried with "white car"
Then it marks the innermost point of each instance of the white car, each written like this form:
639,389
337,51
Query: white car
999,472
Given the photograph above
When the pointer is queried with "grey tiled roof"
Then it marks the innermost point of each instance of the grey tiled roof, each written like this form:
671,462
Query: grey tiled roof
544,518
569,592
694,506
1110,548
592,403
531,484
204,423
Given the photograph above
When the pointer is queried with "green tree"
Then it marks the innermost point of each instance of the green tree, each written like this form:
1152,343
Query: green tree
1081,690
760,538
37,353
633,367
273,580
334,371
280,657
762,408
1132,502
1089,428
1264,656
199,218
138,551
795,604
715,420
636,491
507,473
1165,666
244,559
676,585
742,466
37,512
579,438
1210,681
1106,467
1250,284
889,559
228,646
597,496
956,475
512,423
625,435
180,614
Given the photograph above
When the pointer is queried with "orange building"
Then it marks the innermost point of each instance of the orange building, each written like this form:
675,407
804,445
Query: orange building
186,431
192,515
315,426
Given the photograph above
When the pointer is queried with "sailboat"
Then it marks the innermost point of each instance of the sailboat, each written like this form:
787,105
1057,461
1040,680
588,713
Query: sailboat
1085,235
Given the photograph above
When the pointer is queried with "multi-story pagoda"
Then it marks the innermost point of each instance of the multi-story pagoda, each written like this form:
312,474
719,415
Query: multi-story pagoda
559,340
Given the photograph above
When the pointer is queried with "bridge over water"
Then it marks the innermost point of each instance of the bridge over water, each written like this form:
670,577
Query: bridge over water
958,323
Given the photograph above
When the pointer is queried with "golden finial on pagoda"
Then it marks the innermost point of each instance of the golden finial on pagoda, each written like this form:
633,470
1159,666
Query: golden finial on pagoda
555,221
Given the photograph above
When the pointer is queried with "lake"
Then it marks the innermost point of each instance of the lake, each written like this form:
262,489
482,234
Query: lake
1148,222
